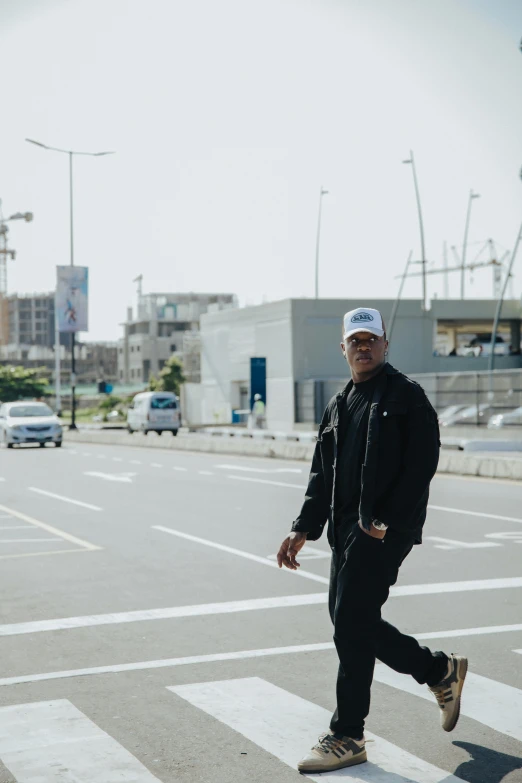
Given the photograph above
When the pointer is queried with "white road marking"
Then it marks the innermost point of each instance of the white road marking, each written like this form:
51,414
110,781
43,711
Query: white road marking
101,456
86,453
268,481
1,478
136,462
403,590
461,632
17,527
26,540
474,513
247,555
65,499
259,470
216,657
283,724
51,529
125,478
205,473
72,451
457,587
196,610
155,465
450,543
117,459
514,536
167,663
309,553
177,468
47,552
489,702
54,741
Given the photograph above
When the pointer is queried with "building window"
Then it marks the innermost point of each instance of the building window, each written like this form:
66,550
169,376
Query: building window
173,348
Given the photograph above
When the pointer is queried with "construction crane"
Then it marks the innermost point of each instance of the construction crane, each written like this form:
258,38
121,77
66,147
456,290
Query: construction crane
6,252
493,262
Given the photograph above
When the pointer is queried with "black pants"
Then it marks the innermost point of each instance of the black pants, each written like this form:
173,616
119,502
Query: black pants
363,570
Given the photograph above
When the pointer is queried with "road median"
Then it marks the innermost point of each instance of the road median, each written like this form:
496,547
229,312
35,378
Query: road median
486,465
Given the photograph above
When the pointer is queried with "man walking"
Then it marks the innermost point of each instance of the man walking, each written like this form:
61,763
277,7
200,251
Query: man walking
377,451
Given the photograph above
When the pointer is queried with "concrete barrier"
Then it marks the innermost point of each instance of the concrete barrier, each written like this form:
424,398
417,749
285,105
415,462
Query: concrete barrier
490,465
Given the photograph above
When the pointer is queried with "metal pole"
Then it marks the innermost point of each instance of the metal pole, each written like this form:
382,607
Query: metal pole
421,228
73,335
446,281
398,299
317,244
499,309
57,363
465,246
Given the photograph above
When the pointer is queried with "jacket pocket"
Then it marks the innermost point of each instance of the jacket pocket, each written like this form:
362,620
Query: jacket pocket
392,408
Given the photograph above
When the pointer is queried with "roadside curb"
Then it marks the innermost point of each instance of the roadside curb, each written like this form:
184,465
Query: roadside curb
239,446
454,462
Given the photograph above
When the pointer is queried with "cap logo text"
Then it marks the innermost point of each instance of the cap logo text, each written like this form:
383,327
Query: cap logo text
361,318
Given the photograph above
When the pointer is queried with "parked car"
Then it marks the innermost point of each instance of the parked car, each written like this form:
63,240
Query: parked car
506,419
481,346
449,412
469,415
154,411
29,422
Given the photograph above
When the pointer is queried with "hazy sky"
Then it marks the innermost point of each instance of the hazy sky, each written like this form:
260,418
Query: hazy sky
228,117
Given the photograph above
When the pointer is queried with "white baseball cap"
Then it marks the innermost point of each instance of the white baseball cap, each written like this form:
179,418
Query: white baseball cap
363,319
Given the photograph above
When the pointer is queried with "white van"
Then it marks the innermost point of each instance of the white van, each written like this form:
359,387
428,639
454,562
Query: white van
154,411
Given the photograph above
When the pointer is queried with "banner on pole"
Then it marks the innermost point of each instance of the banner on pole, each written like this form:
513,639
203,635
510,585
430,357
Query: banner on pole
72,285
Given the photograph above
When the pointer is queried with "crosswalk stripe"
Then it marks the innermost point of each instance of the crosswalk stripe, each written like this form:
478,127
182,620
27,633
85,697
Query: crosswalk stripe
492,703
54,741
286,725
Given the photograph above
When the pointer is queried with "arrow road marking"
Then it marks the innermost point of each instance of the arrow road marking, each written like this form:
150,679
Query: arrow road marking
125,478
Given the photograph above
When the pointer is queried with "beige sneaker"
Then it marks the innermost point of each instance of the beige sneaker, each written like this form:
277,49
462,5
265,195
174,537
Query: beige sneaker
331,753
448,691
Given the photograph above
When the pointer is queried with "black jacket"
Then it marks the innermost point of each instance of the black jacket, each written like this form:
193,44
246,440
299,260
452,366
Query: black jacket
402,453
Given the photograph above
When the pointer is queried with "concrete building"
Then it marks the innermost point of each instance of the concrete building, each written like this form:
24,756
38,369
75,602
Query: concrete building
94,361
300,339
165,325
30,321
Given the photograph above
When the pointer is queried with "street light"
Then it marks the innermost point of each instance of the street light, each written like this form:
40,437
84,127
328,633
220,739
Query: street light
465,243
70,153
411,161
322,193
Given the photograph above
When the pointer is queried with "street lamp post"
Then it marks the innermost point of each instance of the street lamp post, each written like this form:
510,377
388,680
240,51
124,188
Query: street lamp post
411,161
322,193
70,153
465,243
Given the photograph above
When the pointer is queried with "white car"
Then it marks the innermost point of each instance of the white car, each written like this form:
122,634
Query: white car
29,422
154,412
507,419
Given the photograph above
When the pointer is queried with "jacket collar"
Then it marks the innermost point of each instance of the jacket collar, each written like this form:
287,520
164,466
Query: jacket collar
387,370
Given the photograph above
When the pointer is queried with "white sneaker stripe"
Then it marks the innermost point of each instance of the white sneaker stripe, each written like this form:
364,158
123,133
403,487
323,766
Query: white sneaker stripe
490,702
54,741
287,726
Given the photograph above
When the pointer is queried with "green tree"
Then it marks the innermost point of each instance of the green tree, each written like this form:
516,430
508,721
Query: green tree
17,383
170,378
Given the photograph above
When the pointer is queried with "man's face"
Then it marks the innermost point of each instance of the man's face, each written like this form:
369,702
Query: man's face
364,352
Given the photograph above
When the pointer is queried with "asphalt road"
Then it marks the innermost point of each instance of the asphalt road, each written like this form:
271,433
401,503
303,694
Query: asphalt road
148,636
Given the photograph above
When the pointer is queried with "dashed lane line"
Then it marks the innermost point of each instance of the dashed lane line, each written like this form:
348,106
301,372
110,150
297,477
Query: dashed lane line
268,481
65,499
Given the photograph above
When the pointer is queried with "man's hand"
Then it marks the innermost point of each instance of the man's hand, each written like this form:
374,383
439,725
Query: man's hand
289,549
373,532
